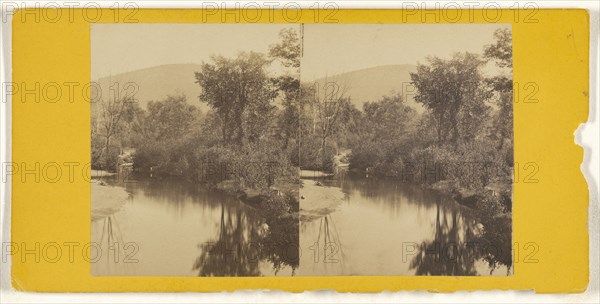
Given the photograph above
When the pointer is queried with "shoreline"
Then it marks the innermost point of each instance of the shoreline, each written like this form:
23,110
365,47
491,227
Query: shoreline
106,200
318,200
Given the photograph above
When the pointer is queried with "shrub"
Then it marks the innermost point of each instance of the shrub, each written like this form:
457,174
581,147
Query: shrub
365,155
254,166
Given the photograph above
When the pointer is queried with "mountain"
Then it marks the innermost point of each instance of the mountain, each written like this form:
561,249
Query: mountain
157,82
373,83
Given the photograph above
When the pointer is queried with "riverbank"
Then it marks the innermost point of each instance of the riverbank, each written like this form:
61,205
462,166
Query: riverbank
317,200
471,198
101,173
313,174
106,200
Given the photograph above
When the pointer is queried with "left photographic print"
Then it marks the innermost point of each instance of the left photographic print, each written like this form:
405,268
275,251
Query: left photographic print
191,149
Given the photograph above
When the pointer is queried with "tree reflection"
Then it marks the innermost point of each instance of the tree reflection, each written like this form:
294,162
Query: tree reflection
110,247
496,241
232,254
447,254
332,246
281,243
243,243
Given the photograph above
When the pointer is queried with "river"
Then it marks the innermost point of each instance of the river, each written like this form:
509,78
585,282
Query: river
175,228
383,227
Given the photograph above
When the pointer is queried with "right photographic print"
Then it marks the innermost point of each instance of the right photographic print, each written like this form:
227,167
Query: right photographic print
405,150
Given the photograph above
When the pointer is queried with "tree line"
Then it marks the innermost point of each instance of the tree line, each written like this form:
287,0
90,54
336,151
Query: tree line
256,115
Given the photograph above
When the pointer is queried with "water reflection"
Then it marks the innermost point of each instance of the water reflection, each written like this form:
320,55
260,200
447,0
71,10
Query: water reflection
448,253
327,247
380,228
110,252
244,241
233,253
183,229
389,228
280,245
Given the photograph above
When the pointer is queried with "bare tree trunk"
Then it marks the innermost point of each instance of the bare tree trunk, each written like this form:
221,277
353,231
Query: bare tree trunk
323,153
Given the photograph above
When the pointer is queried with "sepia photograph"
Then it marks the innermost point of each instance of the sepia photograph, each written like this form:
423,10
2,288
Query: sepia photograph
244,150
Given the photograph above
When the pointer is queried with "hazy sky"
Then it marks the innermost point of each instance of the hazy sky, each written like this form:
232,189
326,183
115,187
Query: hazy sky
329,49
118,48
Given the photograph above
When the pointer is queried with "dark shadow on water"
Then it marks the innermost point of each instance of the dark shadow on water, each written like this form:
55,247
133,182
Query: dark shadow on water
459,242
447,254
233,253
246,241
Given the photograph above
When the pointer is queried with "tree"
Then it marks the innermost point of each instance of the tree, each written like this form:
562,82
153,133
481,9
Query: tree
453,91
501,50
164,135
501,53
389,127
288,50
106,128
170,118
349,126
326,103
288,53
389,119
236,88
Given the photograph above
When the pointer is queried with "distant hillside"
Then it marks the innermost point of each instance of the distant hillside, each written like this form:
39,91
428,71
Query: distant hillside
372,83
157,82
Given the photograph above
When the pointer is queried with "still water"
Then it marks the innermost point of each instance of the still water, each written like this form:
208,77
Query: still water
175,228
387,228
